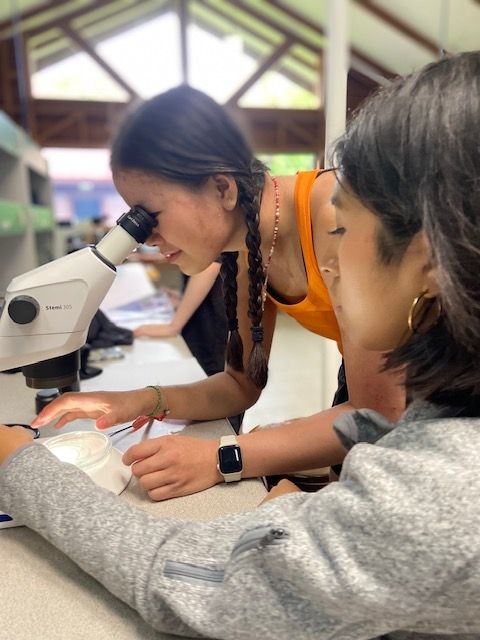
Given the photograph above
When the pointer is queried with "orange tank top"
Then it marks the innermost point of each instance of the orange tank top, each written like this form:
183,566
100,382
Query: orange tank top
315,311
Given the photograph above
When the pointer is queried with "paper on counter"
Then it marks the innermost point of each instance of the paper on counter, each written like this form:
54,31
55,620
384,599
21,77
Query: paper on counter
155,309
123,441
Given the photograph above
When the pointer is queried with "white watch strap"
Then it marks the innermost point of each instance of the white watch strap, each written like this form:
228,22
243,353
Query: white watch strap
226,441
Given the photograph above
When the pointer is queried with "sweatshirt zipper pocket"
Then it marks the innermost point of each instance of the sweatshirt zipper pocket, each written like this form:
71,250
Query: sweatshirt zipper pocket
193,574
259,538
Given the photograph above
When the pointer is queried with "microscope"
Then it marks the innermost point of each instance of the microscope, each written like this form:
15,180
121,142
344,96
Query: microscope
47,311
45,318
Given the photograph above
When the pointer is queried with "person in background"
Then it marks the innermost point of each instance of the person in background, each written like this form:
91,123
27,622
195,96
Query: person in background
182,158
199,318
392,550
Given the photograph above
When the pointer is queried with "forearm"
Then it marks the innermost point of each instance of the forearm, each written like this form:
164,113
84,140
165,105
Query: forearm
218,396
304,443
109,539
231,577
197,289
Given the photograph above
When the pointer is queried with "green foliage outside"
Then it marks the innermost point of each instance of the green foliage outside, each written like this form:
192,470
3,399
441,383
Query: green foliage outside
284,164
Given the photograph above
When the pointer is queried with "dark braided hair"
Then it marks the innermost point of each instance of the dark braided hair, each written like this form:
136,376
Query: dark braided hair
185,137
229,273
250,200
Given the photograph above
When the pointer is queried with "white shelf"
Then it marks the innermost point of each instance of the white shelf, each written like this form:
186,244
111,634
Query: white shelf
26,219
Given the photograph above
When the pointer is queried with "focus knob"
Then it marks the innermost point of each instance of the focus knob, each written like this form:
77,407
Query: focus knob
23,309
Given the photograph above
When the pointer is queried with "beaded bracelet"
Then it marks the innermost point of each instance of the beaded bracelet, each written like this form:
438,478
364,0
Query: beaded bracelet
160,410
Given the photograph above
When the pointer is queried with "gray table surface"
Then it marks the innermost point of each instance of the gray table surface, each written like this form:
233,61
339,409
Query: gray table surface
44,594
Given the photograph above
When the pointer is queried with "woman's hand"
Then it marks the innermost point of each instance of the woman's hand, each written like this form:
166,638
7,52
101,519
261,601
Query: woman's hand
281,489
108,408
11,439
172,466
155,331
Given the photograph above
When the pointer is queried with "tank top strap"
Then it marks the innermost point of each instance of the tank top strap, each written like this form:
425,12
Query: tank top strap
303,188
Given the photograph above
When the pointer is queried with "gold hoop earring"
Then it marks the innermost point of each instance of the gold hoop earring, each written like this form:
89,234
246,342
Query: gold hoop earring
424,314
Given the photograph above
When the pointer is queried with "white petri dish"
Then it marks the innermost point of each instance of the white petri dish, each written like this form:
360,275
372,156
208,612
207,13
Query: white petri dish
92,452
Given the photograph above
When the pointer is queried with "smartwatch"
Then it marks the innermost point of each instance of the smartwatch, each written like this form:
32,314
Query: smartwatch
230,459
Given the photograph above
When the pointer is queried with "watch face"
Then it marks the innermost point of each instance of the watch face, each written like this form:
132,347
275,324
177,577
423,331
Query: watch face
230,459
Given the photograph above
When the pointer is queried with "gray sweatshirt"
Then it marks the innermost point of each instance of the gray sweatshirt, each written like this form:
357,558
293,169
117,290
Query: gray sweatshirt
391,551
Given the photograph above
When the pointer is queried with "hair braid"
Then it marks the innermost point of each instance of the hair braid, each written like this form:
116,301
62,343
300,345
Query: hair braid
229,270
250,191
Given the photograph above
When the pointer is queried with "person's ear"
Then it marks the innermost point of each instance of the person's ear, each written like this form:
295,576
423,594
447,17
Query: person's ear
226,190
428,264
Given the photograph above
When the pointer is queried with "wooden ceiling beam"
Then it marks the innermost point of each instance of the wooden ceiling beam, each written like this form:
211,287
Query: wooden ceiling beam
284,130
356,53
287,33
84,124
85,46
32,13
250,30
77,123
77,13
61,54
283,69
261,69
54,129
399,25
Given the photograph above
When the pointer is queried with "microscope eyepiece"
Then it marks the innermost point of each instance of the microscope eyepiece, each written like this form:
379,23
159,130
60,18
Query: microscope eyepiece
132,229
138,223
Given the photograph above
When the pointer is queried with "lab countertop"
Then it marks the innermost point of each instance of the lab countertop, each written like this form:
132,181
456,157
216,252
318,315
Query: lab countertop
43,593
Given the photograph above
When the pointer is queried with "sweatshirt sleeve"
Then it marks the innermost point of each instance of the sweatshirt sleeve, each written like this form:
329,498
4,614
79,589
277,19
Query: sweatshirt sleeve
332,564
